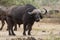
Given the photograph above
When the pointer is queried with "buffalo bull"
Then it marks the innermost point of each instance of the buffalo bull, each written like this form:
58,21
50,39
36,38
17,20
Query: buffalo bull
25,15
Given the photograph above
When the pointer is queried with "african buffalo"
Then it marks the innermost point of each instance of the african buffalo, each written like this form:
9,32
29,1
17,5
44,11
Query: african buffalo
25,15
3,15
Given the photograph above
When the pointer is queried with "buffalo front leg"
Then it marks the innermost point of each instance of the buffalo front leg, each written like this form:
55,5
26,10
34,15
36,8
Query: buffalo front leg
24,31
29,29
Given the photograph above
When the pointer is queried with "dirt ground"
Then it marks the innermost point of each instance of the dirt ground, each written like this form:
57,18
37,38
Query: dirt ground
40,31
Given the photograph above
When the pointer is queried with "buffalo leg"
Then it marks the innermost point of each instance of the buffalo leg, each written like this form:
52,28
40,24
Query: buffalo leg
9,30
24,27
29,28
19,25
2,21
15,25
12,31
10,26
15,28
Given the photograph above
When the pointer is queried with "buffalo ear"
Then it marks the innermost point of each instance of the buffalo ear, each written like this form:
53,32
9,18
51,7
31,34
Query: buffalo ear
30,13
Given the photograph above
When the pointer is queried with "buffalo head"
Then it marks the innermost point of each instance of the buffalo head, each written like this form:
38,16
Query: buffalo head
38,14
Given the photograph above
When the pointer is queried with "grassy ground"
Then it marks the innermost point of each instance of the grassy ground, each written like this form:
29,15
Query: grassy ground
40,31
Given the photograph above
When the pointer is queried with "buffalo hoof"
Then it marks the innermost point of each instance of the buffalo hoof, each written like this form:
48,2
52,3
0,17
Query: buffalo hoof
14,34
7,29
19,26
10,34
0,29
29,34
24,34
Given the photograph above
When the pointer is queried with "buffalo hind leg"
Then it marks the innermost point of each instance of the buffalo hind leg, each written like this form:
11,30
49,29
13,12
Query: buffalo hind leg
12,31
19,25
2,24
9,30
15,27
10,24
